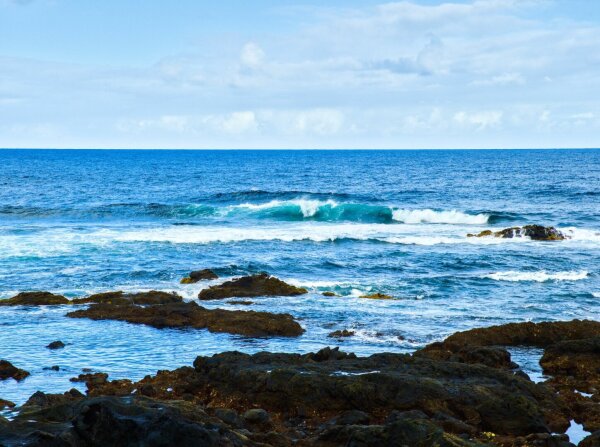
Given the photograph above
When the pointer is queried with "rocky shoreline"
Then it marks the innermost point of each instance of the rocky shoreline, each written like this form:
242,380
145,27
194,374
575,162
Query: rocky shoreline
464,391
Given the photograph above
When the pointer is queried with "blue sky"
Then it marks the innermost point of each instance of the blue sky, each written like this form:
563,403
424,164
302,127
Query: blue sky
298,74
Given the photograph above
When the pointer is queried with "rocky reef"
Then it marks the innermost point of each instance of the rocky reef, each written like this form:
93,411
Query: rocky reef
251,286
534,232
462,392
119,298
191,315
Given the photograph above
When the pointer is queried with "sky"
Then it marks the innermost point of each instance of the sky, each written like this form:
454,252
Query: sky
299,74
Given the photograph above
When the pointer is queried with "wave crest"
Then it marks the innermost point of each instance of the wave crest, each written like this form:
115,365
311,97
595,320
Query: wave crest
539,276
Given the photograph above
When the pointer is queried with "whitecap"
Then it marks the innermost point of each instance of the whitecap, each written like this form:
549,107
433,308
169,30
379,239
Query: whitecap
538,276
432,216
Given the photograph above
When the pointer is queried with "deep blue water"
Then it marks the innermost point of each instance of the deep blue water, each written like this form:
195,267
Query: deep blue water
77,222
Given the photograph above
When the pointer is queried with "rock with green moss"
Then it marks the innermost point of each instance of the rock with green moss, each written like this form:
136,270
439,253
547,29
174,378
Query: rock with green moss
377,296
534,232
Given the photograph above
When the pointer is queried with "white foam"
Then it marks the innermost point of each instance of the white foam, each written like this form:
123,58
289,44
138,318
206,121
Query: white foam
596,294
431,216
539,276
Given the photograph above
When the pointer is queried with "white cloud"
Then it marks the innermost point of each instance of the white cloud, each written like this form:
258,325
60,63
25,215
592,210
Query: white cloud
479,120
252,56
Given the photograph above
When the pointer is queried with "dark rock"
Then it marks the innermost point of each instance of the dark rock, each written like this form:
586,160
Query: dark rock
56,345
251,286
43,400
229,416
121,298
576,358
6,404
351,417
199,275
248,323
91,379
342,333
111,421
8,371
526,334
35,299
492,356
534,232
52,368
329,294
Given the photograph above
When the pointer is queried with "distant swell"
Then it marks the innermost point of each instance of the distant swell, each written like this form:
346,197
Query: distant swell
295,209
539,276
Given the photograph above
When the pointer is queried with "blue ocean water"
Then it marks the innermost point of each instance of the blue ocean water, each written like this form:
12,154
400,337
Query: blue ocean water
352,222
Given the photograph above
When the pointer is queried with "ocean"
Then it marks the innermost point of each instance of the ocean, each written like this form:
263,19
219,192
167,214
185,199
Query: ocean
350,222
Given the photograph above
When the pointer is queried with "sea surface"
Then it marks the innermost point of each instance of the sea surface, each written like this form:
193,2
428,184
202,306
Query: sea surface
351,222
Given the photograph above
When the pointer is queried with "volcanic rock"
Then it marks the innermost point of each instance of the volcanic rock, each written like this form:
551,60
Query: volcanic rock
121,298
9,371
179,315
251,286
534,232
56,345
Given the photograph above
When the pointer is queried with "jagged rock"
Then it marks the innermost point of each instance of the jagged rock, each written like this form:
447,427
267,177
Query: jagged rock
341,333
9,371
249,323
251,286
121,298
43,400
199,275
56,345
35,299
592,440
534,232
377,296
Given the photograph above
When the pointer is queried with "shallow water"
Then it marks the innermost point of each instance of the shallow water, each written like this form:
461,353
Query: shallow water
349,222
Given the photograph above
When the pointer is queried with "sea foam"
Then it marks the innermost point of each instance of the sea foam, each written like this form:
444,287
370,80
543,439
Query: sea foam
539,276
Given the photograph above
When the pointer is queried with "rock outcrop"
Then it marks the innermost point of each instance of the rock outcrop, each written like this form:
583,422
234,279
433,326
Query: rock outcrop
534,232
181,315
35,299
251,286
199,275
9,371
121,298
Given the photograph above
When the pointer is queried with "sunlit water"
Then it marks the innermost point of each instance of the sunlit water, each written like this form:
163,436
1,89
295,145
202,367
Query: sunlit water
348,222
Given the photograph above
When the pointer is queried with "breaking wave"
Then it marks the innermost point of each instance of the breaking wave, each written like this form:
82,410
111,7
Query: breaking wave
539,276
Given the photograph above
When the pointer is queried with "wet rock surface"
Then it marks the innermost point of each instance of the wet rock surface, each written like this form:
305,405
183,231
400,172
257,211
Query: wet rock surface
377,296
251,286
35,299
534,232
9,371
182,315
122,298
341,333
199,275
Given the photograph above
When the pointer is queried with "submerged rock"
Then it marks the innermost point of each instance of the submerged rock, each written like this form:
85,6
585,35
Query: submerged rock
534,232
199,275
341,333
327,293
177,315
122,298
377,296
251,286
35,299
9,371
56,345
